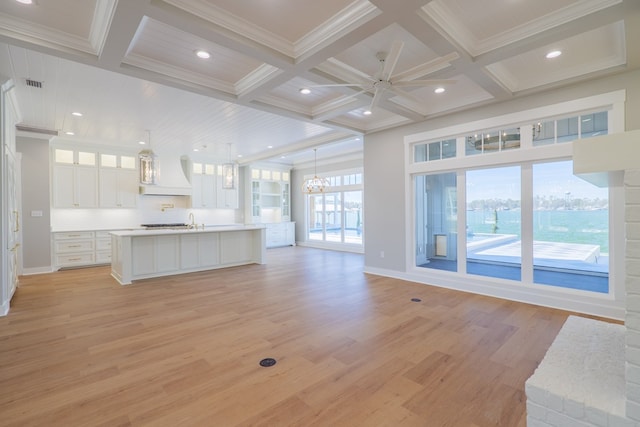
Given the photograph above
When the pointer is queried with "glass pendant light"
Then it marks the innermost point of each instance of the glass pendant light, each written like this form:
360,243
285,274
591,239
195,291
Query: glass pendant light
229,172
147,159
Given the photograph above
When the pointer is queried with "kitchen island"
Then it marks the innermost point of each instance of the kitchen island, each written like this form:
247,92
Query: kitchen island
142,254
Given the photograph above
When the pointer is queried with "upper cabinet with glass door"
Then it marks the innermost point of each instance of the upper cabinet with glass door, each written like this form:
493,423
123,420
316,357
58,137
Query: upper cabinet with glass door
118,181
75,178
269,195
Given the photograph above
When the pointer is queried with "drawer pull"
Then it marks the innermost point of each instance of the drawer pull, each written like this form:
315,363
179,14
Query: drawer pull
75,246
75,259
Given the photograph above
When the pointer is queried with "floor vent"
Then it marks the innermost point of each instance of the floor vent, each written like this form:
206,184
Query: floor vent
34,83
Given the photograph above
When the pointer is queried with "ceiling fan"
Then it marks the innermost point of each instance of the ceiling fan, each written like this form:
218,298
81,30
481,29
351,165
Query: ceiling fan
385,81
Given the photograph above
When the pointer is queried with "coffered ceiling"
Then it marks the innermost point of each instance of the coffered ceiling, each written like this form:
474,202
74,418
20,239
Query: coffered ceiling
131,66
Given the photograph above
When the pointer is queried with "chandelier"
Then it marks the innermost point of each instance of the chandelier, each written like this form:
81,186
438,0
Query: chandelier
315,184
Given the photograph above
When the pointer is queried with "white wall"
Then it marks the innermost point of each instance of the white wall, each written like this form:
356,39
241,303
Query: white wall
35,179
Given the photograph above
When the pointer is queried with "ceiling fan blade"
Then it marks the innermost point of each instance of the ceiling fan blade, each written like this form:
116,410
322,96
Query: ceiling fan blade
426,68
391,60
423,83
376,98
353,95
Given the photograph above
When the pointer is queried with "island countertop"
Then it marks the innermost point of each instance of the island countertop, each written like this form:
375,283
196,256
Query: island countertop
199,229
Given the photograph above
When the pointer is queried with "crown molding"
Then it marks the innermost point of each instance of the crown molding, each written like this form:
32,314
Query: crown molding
449,23
256,78
102,17
33,33
155,66
221,17
353,16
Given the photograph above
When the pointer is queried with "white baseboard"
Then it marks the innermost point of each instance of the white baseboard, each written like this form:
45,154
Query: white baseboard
4,309
563,299
37,270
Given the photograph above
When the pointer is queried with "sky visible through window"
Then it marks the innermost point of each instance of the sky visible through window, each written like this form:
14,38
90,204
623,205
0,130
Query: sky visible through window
553,180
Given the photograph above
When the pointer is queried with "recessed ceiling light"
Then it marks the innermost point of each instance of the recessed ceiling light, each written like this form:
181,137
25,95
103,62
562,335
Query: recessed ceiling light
25,1
439,90
195,149
367,112
203,54
69,133
553,54
269,146
305,91
239,155
77,114
283,157
142,142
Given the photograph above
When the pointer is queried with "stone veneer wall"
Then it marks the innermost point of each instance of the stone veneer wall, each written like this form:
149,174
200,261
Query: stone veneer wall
591,374
632,283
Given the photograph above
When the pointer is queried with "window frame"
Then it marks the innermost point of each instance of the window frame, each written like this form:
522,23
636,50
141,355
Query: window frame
604,304
334,176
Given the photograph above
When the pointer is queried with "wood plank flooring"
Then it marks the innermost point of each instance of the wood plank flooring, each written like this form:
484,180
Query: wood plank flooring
78,349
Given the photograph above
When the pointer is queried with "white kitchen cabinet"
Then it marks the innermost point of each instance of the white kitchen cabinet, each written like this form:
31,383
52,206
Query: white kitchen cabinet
72,249
267,195
118,188
75,186
88,179
103,247
155,254
118,181
199,250
75,178
280,234
226,198
81,248
237,247
141,254
203,185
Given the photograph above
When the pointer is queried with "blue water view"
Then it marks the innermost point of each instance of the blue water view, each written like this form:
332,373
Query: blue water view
568,226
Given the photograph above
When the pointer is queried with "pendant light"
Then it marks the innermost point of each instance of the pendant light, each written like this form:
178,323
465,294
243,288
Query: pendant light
315,184
147,160
229,172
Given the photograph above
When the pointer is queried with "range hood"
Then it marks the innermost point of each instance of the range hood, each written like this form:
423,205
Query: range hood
170,177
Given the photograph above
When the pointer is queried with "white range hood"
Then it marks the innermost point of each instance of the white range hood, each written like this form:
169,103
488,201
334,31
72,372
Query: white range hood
170,177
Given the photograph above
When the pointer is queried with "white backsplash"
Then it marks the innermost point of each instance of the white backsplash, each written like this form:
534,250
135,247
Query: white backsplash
150,210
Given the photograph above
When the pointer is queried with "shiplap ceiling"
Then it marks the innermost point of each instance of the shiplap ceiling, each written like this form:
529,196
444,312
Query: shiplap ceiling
130,66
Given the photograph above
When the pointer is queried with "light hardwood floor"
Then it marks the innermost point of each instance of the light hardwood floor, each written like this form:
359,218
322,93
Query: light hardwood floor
78,349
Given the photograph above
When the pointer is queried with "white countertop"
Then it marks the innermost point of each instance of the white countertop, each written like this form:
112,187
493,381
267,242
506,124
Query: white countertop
207,229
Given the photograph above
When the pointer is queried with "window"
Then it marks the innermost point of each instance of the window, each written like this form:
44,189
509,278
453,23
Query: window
492,141
570,129
527,218
570,229
493,226
336,217
436,221
435,150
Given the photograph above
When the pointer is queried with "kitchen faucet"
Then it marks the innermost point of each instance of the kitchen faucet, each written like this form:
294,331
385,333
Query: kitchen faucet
193,221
